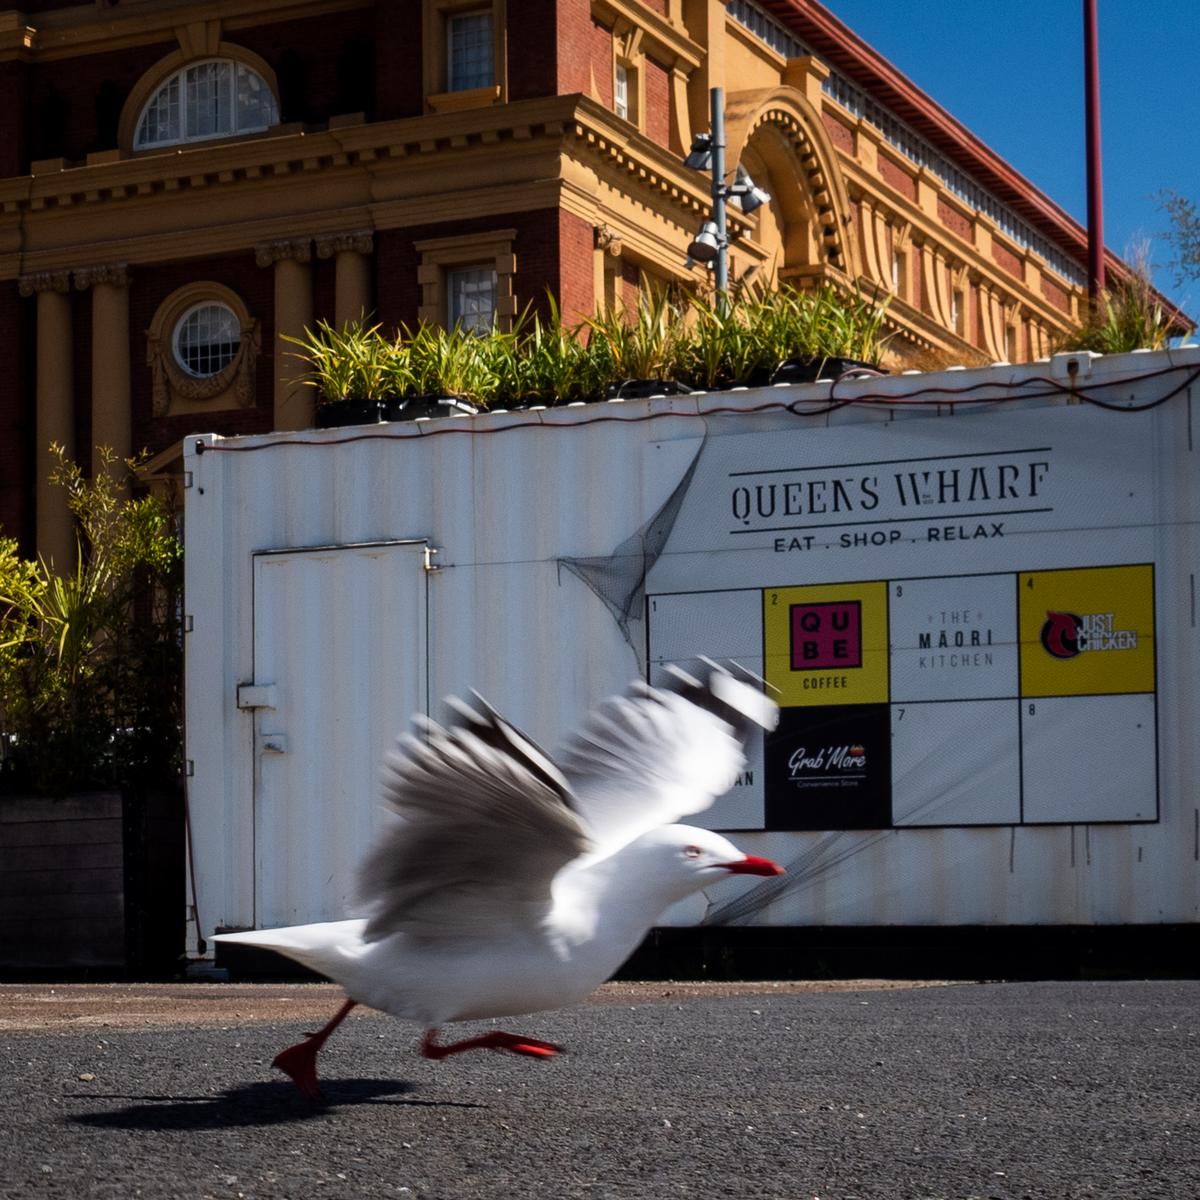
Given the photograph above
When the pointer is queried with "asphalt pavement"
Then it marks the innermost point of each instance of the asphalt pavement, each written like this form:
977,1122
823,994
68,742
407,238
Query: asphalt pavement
1047,1090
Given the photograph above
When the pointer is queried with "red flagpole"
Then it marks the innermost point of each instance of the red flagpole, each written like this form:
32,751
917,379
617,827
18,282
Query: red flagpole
1095,187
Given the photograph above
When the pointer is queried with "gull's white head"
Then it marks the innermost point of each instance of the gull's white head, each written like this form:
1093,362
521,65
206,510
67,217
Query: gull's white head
677,860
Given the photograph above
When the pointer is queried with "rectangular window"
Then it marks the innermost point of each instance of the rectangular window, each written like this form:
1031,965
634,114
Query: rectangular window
958,312
621,92
470,61
472,298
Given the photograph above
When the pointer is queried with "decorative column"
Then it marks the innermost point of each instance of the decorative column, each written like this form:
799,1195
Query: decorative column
55,411
112,415
351,253
294,403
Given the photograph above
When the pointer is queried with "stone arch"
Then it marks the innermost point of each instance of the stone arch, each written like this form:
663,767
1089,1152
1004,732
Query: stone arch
780,139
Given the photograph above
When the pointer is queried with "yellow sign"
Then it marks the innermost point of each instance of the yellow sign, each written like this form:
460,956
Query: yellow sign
827,644
1087,632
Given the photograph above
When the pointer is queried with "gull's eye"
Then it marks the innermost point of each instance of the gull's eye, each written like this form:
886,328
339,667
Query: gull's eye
691,852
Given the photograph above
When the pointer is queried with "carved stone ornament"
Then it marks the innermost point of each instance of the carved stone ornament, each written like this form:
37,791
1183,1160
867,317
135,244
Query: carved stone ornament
362,242
171,383
116,274
44,281
268,253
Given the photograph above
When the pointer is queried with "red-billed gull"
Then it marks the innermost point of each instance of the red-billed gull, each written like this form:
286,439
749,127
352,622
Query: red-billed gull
506,883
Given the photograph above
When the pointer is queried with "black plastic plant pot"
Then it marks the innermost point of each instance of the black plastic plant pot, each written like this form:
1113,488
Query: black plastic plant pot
336,413
811,368
640,389
409,408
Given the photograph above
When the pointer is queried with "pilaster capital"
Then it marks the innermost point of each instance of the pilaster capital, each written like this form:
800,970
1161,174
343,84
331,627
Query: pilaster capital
116,274
360,242
268,253
44,281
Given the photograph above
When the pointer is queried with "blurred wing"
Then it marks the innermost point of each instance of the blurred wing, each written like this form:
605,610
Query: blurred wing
655,755
483,827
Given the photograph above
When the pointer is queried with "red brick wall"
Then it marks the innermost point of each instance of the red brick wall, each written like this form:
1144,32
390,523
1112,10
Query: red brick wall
1056,295
577,290
398,67
1007,260
13,129
601,44
658,102
569,46
149,287
953,220
897,177
840,134
62,110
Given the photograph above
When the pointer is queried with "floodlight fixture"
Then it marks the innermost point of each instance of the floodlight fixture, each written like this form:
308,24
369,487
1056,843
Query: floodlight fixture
746,194
700,156
707,244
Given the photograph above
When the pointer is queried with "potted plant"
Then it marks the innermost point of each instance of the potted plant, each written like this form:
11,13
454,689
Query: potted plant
638,351
353,369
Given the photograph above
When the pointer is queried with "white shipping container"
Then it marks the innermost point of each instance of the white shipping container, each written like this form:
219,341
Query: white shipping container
975,592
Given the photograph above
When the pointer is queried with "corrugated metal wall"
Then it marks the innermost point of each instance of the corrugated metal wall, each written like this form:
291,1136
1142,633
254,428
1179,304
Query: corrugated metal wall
504,499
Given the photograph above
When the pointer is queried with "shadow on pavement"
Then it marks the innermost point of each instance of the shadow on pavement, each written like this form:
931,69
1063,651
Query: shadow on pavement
268,1103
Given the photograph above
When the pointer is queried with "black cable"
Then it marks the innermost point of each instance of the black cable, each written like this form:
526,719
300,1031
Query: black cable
958,396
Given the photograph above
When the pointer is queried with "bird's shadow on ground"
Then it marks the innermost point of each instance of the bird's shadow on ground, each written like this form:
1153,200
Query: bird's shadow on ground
267,1103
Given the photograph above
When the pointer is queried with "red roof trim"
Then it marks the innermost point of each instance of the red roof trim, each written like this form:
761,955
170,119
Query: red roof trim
844,49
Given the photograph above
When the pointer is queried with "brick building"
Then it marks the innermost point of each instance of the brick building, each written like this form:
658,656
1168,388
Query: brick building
182,184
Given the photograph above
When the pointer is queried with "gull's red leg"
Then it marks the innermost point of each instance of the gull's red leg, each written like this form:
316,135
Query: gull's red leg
496,1040
300,1061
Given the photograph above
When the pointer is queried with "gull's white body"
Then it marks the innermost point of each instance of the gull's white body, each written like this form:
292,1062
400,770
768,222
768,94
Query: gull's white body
507,883
601,910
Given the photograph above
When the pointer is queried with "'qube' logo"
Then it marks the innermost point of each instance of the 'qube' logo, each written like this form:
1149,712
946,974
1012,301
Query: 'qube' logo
826,635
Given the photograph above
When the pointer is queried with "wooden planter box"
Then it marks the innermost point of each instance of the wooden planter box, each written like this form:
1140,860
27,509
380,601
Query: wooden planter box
92,882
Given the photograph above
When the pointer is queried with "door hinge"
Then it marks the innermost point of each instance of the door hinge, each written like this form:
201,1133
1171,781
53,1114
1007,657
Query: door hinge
430,565
256,695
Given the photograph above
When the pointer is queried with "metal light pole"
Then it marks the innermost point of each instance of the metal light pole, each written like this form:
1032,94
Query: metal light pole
711,244
721,266
1095,188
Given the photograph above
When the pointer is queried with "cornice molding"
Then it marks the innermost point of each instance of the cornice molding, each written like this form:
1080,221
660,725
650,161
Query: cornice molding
90,29
371,176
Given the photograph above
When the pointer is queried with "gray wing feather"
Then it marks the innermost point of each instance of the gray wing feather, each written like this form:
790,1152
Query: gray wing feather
654,755
481,827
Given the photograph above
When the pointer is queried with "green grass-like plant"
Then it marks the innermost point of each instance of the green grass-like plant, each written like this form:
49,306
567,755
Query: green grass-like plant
665,336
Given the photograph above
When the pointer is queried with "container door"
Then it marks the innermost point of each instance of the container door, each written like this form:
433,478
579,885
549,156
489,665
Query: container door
340,665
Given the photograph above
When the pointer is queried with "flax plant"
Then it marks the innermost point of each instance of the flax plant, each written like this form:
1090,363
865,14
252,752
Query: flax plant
644,343
354,362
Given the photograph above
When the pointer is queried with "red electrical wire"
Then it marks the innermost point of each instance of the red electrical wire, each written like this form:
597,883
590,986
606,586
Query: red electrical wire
958,395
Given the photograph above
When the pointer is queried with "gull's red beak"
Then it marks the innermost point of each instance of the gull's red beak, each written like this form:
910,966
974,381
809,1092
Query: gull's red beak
753,865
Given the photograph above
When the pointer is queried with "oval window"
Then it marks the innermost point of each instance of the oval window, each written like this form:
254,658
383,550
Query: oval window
207,339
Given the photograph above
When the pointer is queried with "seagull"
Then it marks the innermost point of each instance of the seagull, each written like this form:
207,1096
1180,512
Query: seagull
506,883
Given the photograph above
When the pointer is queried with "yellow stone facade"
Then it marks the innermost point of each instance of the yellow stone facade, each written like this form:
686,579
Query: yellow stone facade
332,214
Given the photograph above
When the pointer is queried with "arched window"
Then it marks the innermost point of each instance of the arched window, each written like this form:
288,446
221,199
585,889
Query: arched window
207,339
211,99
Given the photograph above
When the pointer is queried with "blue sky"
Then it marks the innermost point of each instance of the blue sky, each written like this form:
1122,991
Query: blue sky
1012,72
